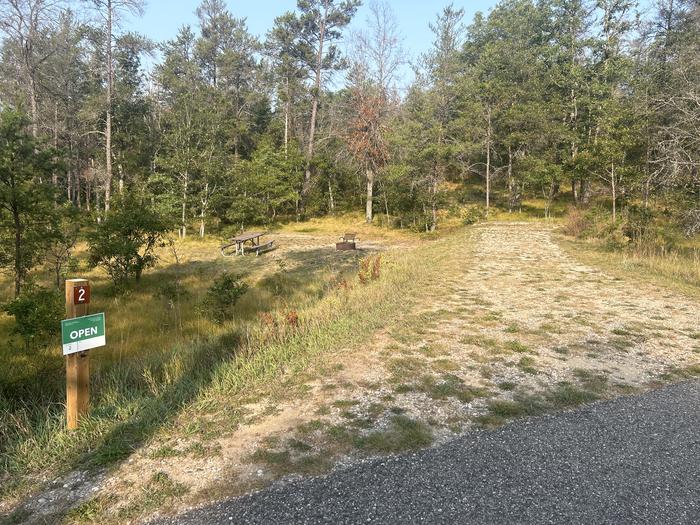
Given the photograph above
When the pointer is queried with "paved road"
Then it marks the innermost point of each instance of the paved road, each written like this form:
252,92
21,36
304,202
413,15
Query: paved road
631,460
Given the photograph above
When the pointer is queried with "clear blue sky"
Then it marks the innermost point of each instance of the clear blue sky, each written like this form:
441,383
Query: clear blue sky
163,18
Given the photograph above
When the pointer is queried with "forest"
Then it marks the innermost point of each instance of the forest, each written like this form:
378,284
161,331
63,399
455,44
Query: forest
594,102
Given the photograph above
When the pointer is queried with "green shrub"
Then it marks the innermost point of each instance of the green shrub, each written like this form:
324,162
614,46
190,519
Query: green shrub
222,296
124,243
636,222
37,312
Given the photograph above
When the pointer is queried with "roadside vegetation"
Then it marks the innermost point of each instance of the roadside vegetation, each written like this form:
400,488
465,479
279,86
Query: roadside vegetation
642,241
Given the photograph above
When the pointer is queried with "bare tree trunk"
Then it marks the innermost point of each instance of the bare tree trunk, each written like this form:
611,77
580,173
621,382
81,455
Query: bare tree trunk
314,104
511,187
433,204
18,250
488,160
614,192
205,205
331,202
286,121
386,205
54,175
585,194
183,223
370,191
34,107
108,126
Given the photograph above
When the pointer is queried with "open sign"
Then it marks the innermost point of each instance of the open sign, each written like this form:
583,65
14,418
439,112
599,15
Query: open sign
83,333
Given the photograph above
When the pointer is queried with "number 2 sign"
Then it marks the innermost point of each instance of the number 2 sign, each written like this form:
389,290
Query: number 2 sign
81,294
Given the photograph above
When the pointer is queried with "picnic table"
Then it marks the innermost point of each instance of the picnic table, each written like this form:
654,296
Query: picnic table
247,242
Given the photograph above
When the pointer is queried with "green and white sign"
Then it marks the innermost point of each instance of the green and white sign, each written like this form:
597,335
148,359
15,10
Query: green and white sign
83,333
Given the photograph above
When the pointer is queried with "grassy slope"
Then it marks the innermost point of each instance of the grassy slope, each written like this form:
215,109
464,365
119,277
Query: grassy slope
138,393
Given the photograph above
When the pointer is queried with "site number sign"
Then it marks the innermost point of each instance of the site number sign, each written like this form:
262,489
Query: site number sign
81,294
83,333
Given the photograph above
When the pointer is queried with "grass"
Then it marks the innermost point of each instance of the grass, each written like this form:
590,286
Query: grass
563,396
518,347
158,491
527,365
448,385
173,389
676,269
403,433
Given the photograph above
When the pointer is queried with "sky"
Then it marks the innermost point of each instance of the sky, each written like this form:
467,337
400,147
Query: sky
163,18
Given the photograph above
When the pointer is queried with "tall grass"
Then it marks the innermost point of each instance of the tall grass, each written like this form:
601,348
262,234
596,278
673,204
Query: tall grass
138,396
678,264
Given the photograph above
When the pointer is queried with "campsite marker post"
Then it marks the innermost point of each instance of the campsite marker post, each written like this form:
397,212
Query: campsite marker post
77,363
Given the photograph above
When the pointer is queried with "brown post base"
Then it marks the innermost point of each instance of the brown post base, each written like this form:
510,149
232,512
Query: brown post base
77,388
343,246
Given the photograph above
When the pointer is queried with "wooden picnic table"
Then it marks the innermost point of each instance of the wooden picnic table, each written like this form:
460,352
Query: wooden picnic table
251,238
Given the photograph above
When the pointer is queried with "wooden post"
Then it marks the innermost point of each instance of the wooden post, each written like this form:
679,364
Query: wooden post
77,365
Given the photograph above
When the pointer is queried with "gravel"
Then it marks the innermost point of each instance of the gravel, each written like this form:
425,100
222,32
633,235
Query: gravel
630,460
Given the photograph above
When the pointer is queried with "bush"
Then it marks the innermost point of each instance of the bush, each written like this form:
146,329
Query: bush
222,296
125,242
38,313
472,215
576,223
634,226
636,223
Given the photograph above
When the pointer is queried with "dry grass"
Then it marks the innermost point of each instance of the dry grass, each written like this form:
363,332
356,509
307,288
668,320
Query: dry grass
164,358
679,269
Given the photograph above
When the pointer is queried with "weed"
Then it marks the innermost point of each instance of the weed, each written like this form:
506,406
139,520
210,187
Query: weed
299,446
688,372
623,345
92,510
160,489
405,368
449,385
526,364
403,433
518,347
310,426
165,452
591,380
480,341
444,365
271,457
341,435
404,388
566,395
